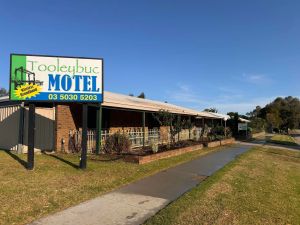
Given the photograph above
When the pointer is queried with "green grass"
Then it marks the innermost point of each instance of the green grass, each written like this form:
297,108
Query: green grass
56,183
283,140
261,187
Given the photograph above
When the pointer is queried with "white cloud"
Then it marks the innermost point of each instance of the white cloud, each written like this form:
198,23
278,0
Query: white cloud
255,78
229,100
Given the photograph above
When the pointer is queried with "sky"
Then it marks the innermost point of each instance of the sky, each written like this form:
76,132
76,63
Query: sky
231,55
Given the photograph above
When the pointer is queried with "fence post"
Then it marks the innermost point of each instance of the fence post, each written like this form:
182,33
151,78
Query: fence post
99,129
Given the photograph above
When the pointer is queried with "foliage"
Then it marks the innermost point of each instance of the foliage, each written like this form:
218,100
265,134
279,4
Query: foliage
218,132
154,146
214,110
3,92
118,143
257,124
282,114
142,95
173,121
232,123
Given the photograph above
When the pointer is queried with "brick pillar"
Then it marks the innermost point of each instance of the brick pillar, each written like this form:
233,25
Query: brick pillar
66,120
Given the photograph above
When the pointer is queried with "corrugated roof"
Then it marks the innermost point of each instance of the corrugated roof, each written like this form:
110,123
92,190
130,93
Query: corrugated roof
221,116
244,120
128,102
4,99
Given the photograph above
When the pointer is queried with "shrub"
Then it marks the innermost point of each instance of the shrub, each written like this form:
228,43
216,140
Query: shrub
154,146
117,143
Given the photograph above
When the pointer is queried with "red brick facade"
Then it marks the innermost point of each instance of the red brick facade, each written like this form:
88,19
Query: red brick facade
68,117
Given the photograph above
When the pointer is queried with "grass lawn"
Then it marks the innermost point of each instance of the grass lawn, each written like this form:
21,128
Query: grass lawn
261,187
283,140
56,183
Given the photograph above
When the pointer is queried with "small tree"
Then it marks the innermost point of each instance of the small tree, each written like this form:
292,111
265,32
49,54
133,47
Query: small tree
117,143
173,121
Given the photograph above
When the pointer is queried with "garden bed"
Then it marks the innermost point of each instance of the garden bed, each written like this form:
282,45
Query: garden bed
161,155
147,157
211,144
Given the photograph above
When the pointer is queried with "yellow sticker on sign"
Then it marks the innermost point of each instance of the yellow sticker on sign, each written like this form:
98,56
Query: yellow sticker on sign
28,91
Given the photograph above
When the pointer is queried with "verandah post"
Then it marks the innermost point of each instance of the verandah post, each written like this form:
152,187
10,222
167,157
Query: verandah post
190,122
144,124
225,129
99,129
84,136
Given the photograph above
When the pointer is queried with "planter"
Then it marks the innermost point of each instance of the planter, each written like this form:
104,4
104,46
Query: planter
161,155
227,141
212,144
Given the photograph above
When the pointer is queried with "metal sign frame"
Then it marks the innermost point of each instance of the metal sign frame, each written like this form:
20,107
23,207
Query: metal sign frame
35,81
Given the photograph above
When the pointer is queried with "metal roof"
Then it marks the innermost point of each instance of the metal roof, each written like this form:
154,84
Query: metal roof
4,99
244,120
221,116
115,100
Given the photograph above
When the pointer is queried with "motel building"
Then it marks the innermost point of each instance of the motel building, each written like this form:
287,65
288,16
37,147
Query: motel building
58,126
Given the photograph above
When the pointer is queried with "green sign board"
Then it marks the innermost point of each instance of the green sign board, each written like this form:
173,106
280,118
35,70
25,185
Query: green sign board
56,79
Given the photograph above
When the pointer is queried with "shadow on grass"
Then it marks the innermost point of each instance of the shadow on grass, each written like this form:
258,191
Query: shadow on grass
287,143
63,160
18,159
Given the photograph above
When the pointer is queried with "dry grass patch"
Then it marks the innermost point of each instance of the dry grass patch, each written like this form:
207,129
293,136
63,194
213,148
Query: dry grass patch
283,140
56,183
261,187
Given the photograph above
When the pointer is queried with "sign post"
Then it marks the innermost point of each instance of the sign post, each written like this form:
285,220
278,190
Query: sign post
84,137
243,126
41,78
31,132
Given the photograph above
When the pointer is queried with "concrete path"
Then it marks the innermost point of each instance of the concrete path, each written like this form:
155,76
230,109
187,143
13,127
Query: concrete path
136,202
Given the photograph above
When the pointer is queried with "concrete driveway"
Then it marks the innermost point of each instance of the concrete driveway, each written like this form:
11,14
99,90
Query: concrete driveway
136,202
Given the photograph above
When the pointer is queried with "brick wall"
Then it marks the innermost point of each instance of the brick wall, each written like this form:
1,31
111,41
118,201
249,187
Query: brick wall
68,117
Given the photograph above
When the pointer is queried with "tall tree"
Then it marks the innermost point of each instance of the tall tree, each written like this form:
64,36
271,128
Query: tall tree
142,95
281,114
214,110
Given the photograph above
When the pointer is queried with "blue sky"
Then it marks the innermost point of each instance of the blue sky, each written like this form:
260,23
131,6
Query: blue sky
232,55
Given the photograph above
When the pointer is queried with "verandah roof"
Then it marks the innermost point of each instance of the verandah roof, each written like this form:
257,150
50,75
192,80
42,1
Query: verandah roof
115,100
129,102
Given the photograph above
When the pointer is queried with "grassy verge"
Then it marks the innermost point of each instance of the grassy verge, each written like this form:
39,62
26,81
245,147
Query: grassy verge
261,187
56,183
283,140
